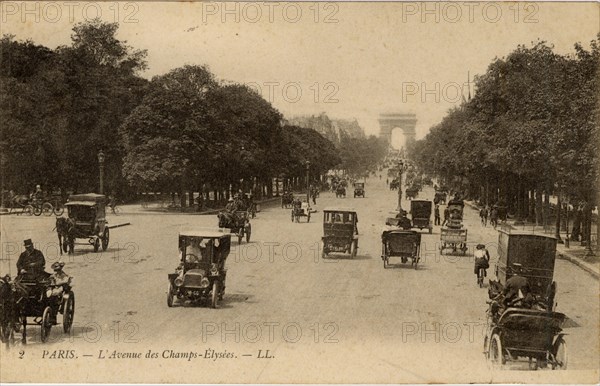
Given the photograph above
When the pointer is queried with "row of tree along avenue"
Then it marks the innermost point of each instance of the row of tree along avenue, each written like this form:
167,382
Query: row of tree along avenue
184,131
530,132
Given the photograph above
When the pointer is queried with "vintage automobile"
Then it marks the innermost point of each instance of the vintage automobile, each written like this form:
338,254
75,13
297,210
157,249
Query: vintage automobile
530,327
359,189
340,231
420,211
238,222
88,215
301,209
405,244
201,273
340,191
455,209
42,298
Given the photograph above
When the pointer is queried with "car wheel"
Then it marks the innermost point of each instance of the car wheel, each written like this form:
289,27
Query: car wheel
170,295
215,295
68,312
96,244
105,239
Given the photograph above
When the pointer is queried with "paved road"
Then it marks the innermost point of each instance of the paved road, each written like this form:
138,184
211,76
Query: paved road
335,320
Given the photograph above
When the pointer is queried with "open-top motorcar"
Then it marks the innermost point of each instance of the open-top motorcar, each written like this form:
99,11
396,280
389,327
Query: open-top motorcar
340,231
201,273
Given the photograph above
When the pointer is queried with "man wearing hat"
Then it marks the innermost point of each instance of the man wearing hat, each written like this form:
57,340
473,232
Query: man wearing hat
517,287
32,260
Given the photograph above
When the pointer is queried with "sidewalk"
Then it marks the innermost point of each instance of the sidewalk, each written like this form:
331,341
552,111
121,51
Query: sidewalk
575,253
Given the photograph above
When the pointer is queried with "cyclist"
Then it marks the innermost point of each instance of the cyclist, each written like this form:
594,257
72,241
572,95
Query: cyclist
482,260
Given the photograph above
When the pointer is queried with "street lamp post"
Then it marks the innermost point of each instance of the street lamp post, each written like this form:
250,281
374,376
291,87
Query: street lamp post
101,159
400,170
307,181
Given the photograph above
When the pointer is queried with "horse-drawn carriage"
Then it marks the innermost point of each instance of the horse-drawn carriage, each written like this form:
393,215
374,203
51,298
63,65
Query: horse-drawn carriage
526,326
38,295
359,189
201,273
238,222
287,199
86,220
340,231
405,244
301,209
36,205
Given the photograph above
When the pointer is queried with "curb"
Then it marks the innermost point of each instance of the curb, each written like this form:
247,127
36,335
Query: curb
578,263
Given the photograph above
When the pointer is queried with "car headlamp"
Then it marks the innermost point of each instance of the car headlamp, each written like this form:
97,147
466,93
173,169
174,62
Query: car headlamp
178,281
204,282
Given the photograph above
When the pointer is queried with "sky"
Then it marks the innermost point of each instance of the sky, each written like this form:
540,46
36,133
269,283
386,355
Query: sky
350,60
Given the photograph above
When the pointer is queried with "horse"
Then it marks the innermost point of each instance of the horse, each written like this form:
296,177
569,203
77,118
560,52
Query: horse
227,219
9,311
64,230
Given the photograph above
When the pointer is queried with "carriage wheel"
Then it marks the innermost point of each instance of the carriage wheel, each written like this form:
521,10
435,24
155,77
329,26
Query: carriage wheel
292,215
240,237
47,209
386,262
248,233
37,210
308,217
215,295
105,239
28,210
46,324
170,295
495,355
59,209
96,244
560,355
415,262
68,312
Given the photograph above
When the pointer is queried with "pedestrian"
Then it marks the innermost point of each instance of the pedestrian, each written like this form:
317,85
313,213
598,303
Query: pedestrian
494,216
437,215
446,216
483,214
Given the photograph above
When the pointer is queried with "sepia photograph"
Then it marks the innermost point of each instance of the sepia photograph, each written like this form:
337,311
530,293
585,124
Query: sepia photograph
268,192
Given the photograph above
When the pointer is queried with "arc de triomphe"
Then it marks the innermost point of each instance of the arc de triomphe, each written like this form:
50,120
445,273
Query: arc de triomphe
404,121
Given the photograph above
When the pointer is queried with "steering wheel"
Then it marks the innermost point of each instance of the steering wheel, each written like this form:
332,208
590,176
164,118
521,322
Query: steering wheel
191,258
